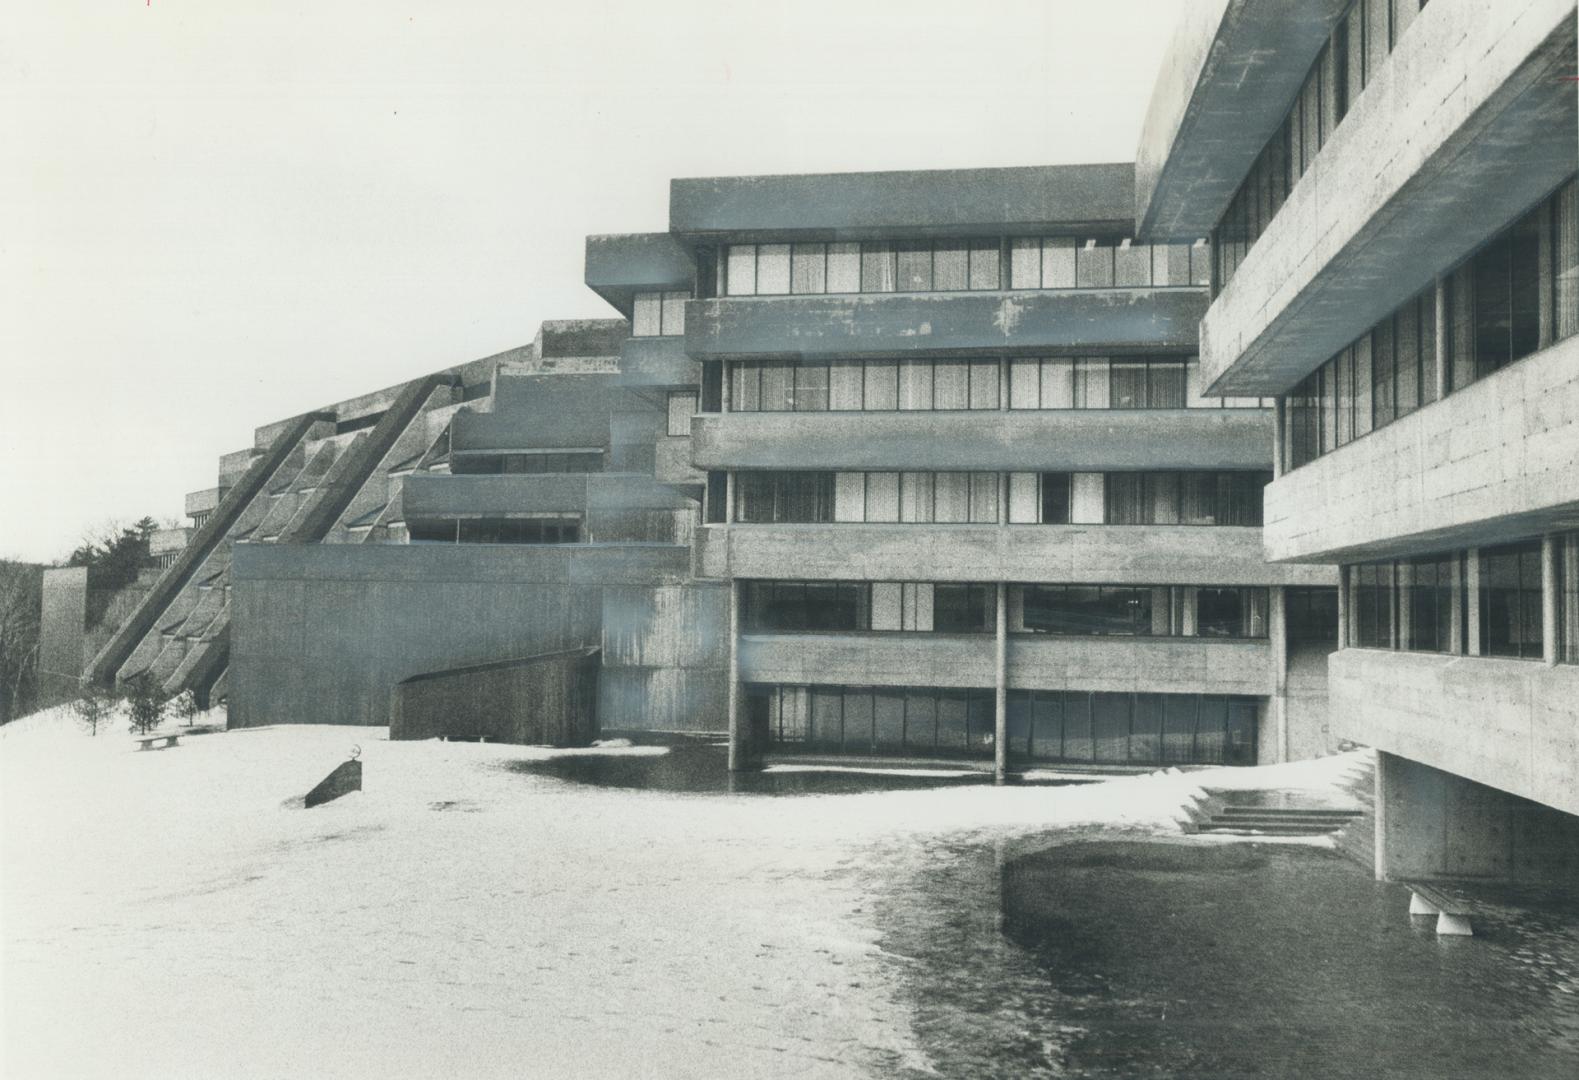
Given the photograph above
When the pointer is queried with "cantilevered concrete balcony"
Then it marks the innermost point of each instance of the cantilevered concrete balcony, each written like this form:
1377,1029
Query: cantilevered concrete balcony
658,363
1113,554
1035,662
618,266
430,495
1073,440
1508,724
205,501
1465,126
932,202
1231,71
673,463
1494,461
910,324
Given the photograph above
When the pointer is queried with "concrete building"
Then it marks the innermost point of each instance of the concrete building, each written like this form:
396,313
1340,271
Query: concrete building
1390,188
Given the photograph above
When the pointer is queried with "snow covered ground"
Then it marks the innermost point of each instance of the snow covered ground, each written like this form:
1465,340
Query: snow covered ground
177,914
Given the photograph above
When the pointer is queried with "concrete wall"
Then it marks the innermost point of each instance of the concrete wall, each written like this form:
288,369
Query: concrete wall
1508,724
321,634
1181,666
908,324
540,411
1113,554
61,629
1074,440
1432,824
1467,124
665,658
1491,462
957,202
540,700
659,362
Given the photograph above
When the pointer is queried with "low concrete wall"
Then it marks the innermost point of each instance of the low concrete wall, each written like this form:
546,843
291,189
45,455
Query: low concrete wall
1094,554
1508,724
665,658
537,700
910,324
1072,440
1495,460
61,633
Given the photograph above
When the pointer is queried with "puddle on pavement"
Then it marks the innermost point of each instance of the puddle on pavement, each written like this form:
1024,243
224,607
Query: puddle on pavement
1121,959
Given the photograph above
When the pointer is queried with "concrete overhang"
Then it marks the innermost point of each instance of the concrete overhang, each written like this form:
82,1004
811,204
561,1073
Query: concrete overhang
883,205
1074,440
1230,75
620,265
911,324
1470,122
657,363
441,495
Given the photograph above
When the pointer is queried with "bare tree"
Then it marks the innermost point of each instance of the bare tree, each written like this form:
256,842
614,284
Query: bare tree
184,706
19,618
94,705
145,703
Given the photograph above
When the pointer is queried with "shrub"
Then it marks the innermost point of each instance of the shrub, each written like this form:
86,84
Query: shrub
146,703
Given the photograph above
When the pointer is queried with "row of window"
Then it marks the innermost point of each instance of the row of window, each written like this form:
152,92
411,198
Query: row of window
490,464
1055,262
1348,62
1423,604
541,529
1042,725
1118,498
1519,293
1066,610
659,314
956,384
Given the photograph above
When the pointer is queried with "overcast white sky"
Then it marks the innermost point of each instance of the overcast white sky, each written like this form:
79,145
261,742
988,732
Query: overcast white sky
213,216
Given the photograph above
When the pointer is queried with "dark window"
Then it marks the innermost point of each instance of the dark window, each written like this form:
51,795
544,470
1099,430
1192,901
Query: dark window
1510,601
788,497
1087,610
717,497
963,609
712,386
1311,615
1055,498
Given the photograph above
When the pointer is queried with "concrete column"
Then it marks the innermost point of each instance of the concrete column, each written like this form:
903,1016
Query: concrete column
736,750
1472,600
1003,498
729,497
1001,690
1455,612
1441,339
1277,635
723,392
1404,577
1279,466
1003,376
1343,607
1549,641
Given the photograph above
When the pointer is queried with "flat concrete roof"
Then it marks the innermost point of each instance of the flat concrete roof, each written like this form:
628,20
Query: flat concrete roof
1228,78
936,202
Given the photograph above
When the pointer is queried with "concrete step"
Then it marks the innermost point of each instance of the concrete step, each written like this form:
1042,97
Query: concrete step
1286,813
1266,829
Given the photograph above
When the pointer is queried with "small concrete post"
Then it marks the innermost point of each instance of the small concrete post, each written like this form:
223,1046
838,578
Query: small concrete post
729,497
1001,689
1441,371
1472,600
1455,611
1549,598
736,757
1405,613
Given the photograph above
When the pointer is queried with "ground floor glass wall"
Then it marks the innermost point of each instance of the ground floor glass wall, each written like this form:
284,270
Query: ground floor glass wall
1051,726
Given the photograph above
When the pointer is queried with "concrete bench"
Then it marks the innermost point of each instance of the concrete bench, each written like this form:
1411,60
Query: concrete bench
146,742
1452,912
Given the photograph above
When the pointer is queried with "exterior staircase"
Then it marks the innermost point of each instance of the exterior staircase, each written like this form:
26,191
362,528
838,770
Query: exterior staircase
1278,820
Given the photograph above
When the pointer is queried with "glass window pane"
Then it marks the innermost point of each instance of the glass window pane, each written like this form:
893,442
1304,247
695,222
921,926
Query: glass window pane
984,498
674,312
741,269
984,384
1025,384
1110,726
1132,265
882,496
888,721
915,385
1025,263
984,265
778,386
915,267
1094,264
773,269
1165,384
1201,263
951,494
811,388
746,391
877,268
1362,386
1058,384
1024,499
882,386
921,722
1057,505
950,385
1565,210
885,605
915,497
808,268
950,267
1092,383
844,385
849,496
844,268
647,320
1128,384
1058,262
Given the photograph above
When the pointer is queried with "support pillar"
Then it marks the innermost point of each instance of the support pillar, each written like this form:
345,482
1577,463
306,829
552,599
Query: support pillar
1277,635
1442,359
1455,611
1472,600
1279,466
1549,638
737,755
1001,688
1343,607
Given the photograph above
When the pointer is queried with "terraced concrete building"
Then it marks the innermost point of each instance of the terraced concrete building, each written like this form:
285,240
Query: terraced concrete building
1390,187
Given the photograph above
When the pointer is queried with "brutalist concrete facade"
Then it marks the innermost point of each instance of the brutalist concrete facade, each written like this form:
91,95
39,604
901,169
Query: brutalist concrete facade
1398,251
